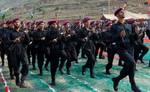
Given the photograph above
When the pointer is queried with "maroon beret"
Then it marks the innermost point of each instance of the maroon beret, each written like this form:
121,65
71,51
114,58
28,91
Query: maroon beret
28,23
77,22
97,23
40,22
8,22
33,23
16,19
93,23
86,19
65,23
118,10
51,22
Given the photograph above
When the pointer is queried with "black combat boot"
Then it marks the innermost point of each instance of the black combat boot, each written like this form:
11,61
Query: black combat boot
22,84
115,83
17,81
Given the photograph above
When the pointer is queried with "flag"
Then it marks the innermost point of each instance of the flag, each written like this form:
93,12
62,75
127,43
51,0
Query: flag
148,1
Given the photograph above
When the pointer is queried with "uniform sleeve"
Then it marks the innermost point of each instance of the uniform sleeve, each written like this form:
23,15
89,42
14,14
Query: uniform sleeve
115,33
26,39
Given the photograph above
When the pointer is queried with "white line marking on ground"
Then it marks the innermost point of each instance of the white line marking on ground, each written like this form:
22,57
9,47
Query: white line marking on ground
85,83
52,89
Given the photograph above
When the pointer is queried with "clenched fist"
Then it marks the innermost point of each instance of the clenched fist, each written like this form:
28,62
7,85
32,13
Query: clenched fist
122,34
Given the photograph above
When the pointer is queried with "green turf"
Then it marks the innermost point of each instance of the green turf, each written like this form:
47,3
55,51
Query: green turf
76,82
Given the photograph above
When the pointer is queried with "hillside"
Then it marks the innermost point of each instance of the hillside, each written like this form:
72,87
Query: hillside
45,9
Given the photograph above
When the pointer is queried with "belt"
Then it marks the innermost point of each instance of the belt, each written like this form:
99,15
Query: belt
113,43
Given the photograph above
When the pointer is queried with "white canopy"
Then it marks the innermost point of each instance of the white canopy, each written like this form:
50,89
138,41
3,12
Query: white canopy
128,15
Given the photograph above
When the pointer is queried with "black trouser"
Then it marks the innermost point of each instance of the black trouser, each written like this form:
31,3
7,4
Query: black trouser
10,64
72,56
129,66
79,46
90,62
3,52
144,51
63,56
99,46
47,60
29,53
54,60
17,59
111,51
47,54
141,48
136,53
40,58
33,54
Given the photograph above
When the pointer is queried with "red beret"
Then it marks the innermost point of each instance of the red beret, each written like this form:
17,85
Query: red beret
8,22
97,23
86,19
118,10
36,23
93,23
65,23
77,22
40,22
16,19
51,22
33,23
28,23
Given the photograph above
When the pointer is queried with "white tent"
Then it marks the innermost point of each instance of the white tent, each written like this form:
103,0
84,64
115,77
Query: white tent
128,15
109,16
137,16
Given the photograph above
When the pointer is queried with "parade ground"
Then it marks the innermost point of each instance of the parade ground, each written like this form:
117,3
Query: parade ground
76,82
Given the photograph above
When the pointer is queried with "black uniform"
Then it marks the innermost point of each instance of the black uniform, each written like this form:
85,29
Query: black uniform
29,47
112,46
148,33
99,45
140,49
4,42
89,50
1,31
53,42
80,43
70,44
4,48
111,51
33,48
39,46
125,51
17,51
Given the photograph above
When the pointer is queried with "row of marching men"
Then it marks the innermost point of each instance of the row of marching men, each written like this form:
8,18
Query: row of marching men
59,46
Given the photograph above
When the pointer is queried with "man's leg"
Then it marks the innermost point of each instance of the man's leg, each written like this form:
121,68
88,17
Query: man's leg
111,54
